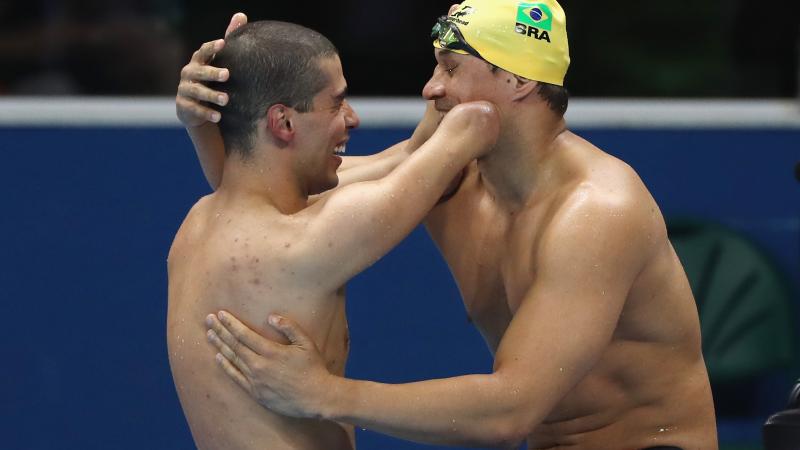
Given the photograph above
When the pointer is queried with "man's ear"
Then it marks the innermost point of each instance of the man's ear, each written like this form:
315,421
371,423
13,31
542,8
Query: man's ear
522,87
279,122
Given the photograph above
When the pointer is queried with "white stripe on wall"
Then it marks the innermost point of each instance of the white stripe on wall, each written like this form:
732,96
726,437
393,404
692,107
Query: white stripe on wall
405,112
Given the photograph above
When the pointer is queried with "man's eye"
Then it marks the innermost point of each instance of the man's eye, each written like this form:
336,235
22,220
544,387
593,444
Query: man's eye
451,70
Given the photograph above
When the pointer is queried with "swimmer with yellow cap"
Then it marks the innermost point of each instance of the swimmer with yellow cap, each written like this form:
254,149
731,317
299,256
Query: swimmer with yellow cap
526,39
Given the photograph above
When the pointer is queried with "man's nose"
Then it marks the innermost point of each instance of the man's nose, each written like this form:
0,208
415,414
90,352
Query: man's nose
351,118
434,88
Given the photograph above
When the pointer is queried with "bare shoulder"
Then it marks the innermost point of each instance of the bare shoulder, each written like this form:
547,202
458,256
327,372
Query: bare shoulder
189,228
608,206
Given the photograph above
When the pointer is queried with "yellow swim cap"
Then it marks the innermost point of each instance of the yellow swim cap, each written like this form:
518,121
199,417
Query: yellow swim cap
528,39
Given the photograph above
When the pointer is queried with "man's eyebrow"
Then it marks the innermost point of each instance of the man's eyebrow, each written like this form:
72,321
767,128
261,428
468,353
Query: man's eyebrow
445,53
341,96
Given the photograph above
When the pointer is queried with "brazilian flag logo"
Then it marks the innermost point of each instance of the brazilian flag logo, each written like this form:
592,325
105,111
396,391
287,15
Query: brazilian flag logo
537,15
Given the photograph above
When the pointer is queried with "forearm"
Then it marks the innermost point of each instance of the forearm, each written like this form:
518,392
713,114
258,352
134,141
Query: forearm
210,149
471,410
367,168
373,167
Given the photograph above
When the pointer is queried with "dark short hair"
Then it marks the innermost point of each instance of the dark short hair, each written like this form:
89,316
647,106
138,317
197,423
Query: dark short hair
270,63
557,97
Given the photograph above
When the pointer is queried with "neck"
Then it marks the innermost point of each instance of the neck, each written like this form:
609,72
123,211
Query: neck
263,176
521,159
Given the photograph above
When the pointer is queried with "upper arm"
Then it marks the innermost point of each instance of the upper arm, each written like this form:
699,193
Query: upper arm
354,226
210,149
585,264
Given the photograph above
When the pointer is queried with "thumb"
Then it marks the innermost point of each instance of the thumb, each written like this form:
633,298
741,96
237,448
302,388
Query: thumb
292,331
237,20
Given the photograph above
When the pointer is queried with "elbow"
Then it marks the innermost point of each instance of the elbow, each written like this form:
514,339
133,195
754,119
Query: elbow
507,430
508,433
513,424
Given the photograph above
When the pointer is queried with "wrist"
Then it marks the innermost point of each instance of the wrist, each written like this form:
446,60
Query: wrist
201,126
333,399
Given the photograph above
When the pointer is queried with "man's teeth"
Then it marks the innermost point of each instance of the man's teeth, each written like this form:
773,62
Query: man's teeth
340,149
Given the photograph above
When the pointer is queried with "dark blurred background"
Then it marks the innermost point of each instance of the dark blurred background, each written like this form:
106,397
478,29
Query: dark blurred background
681,48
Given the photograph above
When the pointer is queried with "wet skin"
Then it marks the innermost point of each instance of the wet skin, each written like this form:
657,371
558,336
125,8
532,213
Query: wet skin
259,245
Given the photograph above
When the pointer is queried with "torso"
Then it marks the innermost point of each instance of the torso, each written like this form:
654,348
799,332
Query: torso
650,386
241,259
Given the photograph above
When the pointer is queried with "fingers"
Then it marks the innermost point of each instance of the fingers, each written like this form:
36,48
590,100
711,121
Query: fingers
198,68
199,92
195,111
249,338
207,51
195,71
237,20
291,330
225,347
192,91
238,349
233,373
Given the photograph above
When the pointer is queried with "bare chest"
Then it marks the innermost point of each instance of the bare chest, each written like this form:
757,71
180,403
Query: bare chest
489,254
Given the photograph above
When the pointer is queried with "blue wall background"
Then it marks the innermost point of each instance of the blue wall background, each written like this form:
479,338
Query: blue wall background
89,214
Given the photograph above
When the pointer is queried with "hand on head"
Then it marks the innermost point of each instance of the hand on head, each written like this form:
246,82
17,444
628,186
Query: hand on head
192,91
